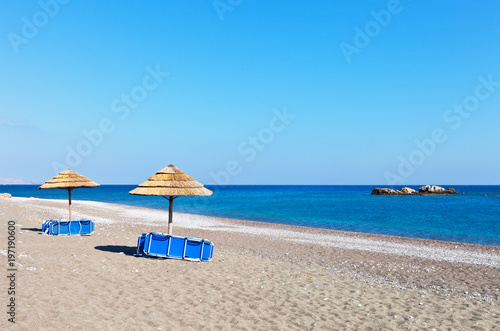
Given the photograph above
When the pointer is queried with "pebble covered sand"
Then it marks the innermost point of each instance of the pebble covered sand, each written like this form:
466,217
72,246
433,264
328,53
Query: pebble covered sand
262,277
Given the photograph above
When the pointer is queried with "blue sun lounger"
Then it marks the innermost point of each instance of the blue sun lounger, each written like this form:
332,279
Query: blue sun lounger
173,247
46,225
67,228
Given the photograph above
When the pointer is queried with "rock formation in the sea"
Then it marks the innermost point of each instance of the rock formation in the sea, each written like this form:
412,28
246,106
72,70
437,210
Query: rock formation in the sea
424,190
385,191
6,195
407,191
428,189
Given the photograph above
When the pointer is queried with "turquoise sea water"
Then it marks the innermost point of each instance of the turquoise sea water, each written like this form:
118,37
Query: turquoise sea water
472,216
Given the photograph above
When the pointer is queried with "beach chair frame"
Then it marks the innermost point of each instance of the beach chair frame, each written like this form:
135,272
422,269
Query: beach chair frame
174,247
67,228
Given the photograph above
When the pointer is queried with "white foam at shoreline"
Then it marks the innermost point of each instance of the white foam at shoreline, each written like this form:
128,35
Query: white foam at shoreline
148,216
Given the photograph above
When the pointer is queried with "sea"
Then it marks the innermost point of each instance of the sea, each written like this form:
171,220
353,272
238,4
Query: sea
471,216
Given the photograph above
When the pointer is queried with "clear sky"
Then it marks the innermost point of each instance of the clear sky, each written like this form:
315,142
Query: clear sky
252,92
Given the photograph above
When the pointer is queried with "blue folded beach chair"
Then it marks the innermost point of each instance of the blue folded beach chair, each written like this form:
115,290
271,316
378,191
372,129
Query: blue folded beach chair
140,243
160,245
62,227
46,225
86,227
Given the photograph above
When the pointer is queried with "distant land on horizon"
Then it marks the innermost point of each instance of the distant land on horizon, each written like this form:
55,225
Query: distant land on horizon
17,181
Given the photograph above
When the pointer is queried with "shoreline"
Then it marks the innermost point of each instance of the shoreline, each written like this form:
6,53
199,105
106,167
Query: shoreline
405,247
377,272
269,224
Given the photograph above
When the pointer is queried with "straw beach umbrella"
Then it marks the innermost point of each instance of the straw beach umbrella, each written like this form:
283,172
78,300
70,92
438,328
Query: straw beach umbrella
68,180
171,183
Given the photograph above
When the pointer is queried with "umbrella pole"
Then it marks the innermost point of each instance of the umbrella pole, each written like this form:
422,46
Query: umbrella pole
170,205
69,198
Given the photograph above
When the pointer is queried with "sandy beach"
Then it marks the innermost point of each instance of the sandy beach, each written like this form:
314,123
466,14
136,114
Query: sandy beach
262,277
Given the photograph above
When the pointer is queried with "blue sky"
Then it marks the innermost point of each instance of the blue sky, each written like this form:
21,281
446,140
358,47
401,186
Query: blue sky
252,92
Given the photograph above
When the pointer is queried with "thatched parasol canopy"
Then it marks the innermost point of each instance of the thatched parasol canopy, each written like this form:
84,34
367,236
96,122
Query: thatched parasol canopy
170,183
68,180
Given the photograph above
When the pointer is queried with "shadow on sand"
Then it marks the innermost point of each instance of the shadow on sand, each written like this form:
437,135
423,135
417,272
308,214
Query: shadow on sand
127,250
32,229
